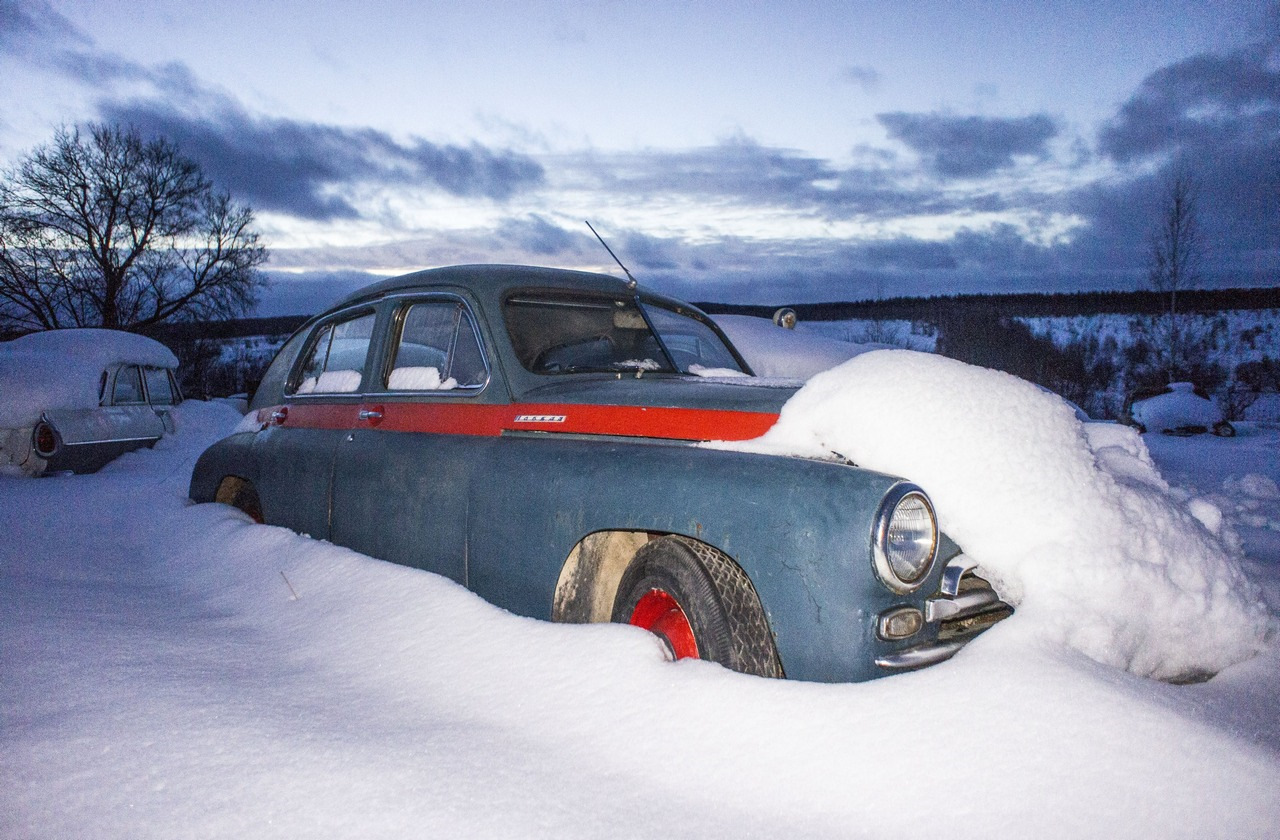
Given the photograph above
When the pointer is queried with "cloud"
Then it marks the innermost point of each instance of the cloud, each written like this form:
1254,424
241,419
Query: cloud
968,147
1216,119
744,173
538,236
303,168
33,30
868,78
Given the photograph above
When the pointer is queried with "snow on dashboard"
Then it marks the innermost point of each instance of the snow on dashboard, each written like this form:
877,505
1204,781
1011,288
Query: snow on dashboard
1072,521
63,369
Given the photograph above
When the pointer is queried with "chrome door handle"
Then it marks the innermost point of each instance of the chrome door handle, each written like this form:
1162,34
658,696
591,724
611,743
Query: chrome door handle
366,414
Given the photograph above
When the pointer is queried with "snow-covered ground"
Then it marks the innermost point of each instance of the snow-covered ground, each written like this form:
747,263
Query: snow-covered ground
170,670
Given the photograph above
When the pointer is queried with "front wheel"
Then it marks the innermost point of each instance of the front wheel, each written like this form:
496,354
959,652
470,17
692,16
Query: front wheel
700,603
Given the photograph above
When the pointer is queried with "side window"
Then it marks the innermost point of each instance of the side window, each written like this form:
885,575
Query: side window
335,362
159,388
438,350
128,387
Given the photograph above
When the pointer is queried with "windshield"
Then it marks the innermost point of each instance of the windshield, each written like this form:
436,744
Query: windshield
555,333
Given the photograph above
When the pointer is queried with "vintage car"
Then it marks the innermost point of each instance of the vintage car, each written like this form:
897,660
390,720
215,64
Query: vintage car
534,434
72,400
1179,409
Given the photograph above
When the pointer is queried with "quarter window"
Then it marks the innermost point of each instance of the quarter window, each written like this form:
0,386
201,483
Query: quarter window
438,350
335,363
128,387
159,387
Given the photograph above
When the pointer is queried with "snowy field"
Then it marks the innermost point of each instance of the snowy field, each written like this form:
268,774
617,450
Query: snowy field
170,670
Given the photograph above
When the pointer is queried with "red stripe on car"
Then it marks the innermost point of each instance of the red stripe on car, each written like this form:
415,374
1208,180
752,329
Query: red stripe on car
492,420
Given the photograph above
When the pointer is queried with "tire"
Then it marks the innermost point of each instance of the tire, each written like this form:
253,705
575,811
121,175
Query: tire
700,603
246,500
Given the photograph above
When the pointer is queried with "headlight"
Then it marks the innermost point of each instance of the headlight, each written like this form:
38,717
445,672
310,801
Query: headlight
905,539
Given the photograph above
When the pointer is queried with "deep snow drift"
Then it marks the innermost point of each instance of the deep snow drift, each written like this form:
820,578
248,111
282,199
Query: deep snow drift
170,670
1072,520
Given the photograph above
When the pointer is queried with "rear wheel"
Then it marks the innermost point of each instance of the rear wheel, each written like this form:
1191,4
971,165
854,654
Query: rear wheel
700,603
241,495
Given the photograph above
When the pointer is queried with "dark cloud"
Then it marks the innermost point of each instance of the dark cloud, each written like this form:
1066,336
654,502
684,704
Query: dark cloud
536,235
650,252
301,168
1216,120
1198,101
35,31
969,147
868,78
908,254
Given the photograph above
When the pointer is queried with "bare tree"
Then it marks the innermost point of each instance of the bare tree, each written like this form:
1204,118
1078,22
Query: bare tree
103,229
1176,253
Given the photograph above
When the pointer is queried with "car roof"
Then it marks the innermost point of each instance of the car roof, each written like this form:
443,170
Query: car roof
485,279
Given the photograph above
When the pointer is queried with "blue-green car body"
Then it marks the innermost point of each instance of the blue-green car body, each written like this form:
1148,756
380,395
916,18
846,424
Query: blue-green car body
532,479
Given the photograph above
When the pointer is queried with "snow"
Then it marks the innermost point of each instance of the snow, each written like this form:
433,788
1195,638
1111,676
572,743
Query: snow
182,672
332,382
63,369
1072,521
1178,407
419,379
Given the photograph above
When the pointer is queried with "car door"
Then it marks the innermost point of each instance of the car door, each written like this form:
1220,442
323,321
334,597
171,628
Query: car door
322,399
403,474
162,394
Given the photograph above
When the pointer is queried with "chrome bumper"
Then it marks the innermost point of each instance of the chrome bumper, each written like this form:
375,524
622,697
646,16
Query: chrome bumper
965,606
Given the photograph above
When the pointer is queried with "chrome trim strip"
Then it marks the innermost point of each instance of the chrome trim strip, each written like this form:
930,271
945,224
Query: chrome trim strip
919,657
110,440
973,601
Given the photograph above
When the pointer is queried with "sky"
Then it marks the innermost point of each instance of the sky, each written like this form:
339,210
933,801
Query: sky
733,151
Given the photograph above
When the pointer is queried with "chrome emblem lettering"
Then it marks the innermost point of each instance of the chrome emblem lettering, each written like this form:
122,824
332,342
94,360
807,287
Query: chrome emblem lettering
540,418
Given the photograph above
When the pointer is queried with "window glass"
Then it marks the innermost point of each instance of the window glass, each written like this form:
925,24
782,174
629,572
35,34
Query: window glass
159,389
572,334
438,350
128,387
694,346
335,362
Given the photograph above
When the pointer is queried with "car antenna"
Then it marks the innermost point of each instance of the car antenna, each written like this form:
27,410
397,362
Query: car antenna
631,281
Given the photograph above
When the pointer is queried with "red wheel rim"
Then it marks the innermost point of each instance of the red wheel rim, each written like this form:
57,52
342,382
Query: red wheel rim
661,615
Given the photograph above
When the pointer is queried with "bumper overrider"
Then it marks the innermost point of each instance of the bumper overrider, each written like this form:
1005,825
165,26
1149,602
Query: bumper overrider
964,606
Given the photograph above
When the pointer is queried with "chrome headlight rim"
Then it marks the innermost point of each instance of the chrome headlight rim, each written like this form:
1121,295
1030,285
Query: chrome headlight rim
896,496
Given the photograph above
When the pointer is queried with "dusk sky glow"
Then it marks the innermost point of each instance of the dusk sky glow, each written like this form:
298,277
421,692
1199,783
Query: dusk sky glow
730,151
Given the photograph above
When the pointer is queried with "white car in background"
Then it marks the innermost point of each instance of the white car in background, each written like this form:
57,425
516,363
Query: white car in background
72,400
1178,409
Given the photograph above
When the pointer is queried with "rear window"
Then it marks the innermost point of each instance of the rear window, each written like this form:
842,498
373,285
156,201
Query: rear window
555,333
565,334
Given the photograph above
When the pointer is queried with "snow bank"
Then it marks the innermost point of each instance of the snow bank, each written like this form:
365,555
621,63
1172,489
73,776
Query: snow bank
173,670
1073,521
773,351
63,369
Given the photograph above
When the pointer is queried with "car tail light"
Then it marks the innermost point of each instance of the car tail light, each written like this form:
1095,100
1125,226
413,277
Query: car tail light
45,439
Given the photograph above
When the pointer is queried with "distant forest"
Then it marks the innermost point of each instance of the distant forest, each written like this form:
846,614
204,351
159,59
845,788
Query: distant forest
942,308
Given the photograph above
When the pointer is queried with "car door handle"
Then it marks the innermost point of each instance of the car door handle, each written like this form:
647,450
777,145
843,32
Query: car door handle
370,414
279,416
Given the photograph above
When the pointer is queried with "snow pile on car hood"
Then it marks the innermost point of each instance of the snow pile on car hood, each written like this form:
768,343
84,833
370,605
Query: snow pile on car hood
1072,521
63,369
